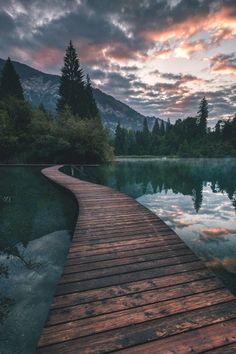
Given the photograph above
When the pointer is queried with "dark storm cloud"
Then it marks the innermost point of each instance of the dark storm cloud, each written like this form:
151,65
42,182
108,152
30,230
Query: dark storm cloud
124,27
7,23
118,24
7,31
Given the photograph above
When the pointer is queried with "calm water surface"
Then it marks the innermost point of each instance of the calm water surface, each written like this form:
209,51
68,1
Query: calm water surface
195,197
37,220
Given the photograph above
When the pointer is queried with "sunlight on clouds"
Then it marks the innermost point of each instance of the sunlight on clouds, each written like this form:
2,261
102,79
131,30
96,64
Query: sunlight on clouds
186,49
221,24
14,10
116,21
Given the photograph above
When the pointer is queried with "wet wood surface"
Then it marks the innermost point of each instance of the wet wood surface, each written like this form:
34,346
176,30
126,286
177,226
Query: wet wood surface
131,285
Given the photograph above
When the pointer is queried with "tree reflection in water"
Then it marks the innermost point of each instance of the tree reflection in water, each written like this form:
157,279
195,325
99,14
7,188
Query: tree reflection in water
185,176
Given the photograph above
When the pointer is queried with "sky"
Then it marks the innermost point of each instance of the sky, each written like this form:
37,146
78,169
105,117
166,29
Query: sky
160,57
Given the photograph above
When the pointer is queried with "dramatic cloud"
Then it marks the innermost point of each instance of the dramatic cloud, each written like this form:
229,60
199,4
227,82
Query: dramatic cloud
224,64
186,49
159,56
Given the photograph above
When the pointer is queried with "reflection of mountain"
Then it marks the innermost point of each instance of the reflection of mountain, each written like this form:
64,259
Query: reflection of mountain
181,176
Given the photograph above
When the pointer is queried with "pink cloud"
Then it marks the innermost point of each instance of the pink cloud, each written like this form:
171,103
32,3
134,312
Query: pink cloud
42,57
224,64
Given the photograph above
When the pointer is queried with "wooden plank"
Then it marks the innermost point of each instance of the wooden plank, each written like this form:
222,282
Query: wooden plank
196,341
84,327
226,349
130,284
133,336
104,238
123,254
81,267
89,251
98,247
83,297
128,301
128,268
128,277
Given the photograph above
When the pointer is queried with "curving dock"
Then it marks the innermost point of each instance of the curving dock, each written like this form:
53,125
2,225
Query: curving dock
130,285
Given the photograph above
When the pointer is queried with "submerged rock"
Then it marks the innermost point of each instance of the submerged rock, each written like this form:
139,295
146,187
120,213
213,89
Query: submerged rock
30,285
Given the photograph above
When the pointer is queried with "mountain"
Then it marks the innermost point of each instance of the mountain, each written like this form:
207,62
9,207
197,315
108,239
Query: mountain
113,111
40,87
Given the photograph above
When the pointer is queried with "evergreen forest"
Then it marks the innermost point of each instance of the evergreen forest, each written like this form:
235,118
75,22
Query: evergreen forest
189,137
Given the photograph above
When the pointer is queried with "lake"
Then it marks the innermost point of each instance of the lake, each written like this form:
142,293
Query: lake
37,221
195,197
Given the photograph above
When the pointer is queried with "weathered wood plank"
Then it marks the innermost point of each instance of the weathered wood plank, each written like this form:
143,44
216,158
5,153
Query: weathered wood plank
132,336
134,267
132,300
81,267
196,341
123,254
84,327
128,288
125,278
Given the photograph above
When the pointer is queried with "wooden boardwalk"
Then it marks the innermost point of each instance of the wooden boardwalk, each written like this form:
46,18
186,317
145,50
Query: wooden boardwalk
130,285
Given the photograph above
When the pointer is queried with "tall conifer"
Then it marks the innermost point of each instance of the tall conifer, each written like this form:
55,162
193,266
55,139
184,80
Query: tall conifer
162,128
119,139
156,128
72,89
92,106
10,85
202,116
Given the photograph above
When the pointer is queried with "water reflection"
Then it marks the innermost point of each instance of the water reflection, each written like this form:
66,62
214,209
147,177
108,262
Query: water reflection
185,176
195,197
31,252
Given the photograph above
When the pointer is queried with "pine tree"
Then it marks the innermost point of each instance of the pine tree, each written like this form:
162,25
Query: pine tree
162,128
145,138
168,125
218,128
92,106
72,90
119,140
155,138
156,128
202,116
10,85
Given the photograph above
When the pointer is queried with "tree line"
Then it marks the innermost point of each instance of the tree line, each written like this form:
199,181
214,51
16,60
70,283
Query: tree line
189,137
74,134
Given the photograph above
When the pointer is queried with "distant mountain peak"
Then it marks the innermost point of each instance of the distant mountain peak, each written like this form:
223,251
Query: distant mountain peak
40,87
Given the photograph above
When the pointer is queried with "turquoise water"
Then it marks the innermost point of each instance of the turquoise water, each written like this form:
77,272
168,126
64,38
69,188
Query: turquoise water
37,220
195,197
